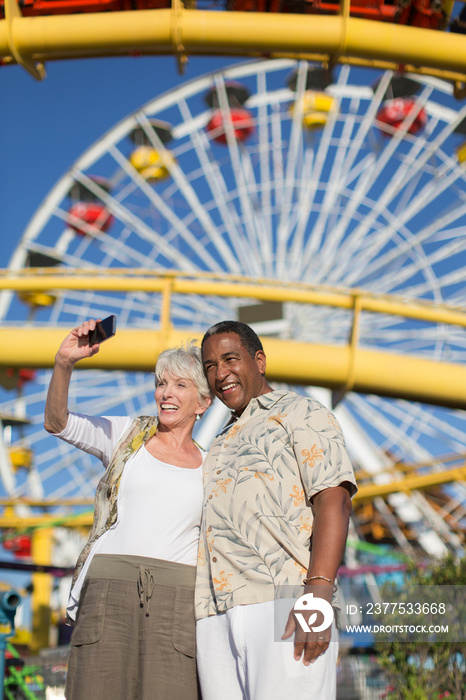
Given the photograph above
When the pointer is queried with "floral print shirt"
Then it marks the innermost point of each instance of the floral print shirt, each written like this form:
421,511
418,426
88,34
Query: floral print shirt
259,477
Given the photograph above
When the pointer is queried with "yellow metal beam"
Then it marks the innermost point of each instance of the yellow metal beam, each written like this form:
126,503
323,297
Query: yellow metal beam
177,282
410,483
342,368
46,503
227,33
41,590
13,13
16,522
374,372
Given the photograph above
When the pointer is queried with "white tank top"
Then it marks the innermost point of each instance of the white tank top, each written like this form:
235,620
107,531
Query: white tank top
159,505
159,509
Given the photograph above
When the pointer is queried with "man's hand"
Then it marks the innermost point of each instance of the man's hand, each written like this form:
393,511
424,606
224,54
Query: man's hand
310,645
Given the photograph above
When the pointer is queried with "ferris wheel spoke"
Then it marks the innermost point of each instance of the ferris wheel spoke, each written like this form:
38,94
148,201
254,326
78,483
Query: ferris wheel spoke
448,279
183,310
265,192
321,227
380,205
385,434
406,246
115,250
218,188
261,235
303,214
453,279
352,173
251,223
410,262
366,123
421,164
136,224
443,432
431,191
122,252
159,242
342,162
193,201
291,173
370,176
369,249
408,193
276,156
394,438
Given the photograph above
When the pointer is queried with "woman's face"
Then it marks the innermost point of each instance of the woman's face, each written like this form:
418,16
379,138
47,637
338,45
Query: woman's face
177,400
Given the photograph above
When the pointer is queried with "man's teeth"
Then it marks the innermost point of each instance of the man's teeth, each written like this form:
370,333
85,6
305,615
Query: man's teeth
228,386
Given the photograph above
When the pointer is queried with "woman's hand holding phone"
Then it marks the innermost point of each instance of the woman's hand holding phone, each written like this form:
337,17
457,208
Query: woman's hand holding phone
103,330
77,345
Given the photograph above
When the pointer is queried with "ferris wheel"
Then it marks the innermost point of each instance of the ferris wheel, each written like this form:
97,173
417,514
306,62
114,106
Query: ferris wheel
270,170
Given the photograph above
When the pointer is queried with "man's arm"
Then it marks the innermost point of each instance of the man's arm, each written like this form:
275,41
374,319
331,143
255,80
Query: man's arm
332,510
75,347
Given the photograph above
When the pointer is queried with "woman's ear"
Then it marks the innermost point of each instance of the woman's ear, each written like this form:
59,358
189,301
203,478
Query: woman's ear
204,405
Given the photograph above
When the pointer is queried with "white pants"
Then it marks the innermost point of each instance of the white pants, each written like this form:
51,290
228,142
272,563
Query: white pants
238,658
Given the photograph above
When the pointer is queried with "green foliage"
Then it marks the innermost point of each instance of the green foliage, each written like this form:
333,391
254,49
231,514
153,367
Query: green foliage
429,669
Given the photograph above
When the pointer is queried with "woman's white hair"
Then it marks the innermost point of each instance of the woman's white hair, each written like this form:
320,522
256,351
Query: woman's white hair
184,362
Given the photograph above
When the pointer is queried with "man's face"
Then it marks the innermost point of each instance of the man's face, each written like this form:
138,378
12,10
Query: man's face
233,375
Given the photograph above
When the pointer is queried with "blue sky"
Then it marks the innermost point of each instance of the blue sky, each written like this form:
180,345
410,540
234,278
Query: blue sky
46,125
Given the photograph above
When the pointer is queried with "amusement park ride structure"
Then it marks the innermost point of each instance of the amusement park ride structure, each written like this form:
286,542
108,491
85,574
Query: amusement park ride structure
387,34
376,329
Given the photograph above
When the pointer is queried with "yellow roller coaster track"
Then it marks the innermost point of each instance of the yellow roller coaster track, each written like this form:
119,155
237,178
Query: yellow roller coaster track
30,41
338,367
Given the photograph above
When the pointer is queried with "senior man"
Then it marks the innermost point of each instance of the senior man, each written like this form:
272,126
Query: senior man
277,474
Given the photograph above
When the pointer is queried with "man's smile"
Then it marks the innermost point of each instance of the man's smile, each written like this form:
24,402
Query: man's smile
227,388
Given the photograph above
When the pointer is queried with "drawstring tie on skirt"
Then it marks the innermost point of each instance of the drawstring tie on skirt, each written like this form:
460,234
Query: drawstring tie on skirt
146,583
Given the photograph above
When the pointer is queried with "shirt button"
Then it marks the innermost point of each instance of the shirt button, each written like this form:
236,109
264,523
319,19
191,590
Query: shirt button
209,529
219,471
214,559
210,496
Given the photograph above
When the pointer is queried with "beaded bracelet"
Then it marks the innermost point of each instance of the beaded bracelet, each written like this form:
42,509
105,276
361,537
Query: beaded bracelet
313,578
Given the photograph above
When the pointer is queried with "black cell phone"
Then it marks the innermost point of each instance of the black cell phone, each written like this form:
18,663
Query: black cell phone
103,330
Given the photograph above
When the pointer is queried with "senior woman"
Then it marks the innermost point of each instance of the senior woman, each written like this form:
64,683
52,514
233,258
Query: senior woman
132,595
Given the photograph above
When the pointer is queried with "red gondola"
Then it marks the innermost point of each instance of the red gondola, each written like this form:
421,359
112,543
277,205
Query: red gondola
20,545
92,214
89,209
394,112
242,122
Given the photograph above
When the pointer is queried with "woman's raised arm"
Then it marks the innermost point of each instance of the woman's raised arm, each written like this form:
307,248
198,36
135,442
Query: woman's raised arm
75,347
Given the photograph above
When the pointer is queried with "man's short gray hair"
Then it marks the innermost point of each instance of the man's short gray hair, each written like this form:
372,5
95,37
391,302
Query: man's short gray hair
184,362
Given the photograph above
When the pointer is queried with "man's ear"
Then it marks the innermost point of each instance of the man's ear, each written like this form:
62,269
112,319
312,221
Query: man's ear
260,361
